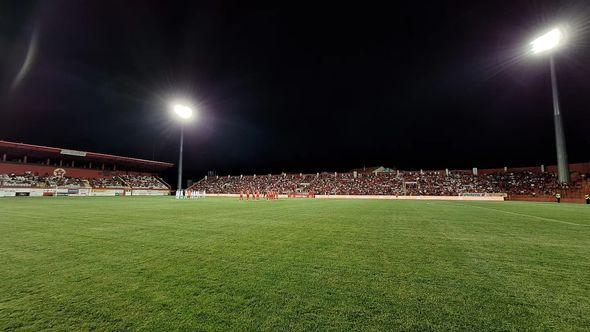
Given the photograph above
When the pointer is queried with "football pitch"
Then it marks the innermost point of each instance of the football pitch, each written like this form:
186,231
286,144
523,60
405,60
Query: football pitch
301,264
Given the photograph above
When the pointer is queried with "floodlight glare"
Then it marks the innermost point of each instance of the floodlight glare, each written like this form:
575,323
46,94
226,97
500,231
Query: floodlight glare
183,111
546,42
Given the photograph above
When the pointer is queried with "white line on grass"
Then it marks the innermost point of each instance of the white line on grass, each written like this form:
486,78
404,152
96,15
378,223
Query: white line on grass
527,215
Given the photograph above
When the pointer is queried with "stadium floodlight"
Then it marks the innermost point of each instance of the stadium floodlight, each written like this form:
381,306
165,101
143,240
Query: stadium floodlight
548,43
185,113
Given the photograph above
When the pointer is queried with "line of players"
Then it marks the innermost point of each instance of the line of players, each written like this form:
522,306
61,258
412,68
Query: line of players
257,195
189,193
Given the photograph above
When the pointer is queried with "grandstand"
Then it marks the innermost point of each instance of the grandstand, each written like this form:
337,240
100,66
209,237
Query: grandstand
524,183
34,170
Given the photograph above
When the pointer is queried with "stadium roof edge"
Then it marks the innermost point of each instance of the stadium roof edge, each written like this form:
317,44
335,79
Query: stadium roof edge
83,154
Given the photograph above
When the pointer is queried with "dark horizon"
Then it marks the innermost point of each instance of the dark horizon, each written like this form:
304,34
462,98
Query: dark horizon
295,89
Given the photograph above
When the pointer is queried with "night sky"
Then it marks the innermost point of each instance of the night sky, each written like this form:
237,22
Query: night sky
300,87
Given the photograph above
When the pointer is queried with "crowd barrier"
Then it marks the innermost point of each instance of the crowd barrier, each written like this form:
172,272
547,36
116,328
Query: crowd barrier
77,192
389,197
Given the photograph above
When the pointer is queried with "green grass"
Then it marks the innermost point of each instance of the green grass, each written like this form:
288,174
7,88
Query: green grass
221,264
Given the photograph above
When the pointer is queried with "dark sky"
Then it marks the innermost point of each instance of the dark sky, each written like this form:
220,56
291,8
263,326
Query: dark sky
297,87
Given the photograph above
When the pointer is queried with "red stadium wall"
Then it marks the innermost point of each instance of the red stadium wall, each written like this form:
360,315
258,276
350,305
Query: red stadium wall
544,199
14,168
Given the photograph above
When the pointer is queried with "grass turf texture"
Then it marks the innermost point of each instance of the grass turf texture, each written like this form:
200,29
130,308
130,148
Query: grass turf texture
219,264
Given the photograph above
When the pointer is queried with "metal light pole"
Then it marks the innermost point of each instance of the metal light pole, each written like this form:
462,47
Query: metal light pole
179,186
543,44
563,170
184,113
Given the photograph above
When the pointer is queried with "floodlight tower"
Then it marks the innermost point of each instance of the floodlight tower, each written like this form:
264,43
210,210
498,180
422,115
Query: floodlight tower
547,43
184,113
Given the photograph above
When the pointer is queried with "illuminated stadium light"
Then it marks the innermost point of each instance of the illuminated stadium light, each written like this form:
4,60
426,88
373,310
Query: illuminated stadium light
544,44
547,41
183,111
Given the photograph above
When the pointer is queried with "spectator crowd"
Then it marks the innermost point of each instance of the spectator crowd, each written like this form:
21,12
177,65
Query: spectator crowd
29,179
416,183
143,181
411,183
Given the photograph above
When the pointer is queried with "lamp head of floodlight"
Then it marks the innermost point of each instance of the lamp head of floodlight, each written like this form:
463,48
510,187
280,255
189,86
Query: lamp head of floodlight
183,111
548,41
